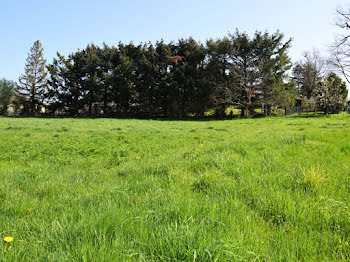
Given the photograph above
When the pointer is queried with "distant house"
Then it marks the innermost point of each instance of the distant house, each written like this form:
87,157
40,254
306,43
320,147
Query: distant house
13,107
20,106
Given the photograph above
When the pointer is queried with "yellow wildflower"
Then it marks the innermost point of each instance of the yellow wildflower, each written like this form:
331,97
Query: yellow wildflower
138,157
8,239
201,145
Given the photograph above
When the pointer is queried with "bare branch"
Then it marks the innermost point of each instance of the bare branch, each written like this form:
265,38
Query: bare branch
340,50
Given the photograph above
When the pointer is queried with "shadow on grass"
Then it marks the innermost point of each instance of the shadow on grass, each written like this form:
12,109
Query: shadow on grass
193,118
157,118
309,115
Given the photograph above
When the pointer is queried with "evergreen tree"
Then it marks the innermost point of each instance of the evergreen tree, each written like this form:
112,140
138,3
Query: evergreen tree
219,75
163,79
252,70
122,79
65,91
190,75
33,83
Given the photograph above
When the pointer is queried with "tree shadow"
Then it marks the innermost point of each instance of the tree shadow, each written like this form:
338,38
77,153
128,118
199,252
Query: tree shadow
310,115
158,118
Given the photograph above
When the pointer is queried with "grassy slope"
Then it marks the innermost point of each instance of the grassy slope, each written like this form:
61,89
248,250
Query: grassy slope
264,189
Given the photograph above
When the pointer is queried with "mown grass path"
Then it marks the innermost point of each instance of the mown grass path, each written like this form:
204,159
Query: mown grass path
273,189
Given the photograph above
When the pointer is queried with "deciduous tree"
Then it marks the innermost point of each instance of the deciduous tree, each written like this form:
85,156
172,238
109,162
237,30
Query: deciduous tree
7,94
331,94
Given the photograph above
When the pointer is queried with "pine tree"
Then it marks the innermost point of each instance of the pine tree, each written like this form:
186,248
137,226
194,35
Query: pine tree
33,83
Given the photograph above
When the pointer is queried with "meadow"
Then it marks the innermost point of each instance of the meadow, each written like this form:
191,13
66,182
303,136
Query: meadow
268,189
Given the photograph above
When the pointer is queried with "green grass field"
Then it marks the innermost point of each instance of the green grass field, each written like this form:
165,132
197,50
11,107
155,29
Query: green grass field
270,189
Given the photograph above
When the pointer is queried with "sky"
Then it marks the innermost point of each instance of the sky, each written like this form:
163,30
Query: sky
67,25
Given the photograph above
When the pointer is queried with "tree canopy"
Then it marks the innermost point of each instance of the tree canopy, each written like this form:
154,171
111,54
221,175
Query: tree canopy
175,79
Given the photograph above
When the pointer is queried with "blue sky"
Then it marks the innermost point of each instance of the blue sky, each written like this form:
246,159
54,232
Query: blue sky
65,25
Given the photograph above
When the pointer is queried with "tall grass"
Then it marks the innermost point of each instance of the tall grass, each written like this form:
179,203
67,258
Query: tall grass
273,189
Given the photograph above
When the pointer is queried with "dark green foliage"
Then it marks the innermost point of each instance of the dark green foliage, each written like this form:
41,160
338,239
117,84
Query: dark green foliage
253,70
79,82
173,80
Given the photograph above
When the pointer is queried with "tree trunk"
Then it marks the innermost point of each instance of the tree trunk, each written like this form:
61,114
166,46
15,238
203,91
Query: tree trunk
246,109
220,111
32,107
269,110
250,94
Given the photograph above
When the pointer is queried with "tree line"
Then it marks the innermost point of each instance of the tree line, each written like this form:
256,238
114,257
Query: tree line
172,80
175,80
